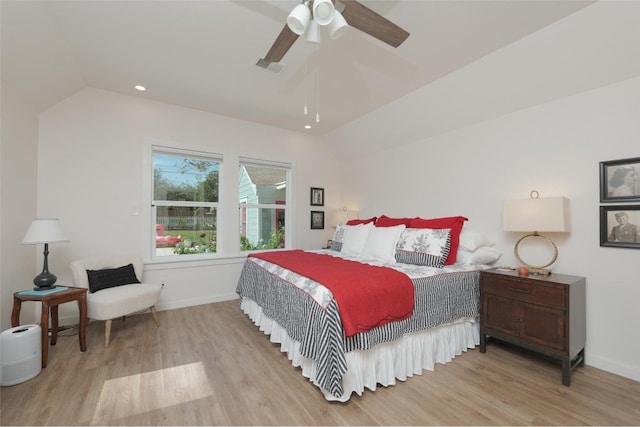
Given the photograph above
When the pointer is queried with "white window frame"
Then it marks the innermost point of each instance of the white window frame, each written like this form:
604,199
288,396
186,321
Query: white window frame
218,206
287,206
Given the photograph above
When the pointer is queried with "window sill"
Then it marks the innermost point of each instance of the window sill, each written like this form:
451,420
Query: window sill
179,262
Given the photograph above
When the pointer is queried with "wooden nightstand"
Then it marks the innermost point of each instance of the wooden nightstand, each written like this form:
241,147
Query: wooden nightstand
50,304
545,314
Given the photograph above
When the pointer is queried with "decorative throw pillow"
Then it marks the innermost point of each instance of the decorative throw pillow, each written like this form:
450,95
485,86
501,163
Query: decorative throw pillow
381,243
336,242
361,221
385,221
454,223
111,277
424,246
354,239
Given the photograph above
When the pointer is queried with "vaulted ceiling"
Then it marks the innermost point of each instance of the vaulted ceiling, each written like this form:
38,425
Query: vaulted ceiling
202,54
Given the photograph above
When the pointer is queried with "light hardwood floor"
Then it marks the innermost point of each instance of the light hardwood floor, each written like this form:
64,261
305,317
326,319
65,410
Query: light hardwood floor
209,365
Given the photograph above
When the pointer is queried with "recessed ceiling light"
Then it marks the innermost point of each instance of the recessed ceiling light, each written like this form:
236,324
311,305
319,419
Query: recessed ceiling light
307,126
140,88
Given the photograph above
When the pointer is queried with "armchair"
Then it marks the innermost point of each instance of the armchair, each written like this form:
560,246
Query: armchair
114,290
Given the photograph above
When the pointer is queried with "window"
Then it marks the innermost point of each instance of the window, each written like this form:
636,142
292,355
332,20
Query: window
262,192
185,201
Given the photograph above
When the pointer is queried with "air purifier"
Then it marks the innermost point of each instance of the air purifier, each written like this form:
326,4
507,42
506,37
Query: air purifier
20,354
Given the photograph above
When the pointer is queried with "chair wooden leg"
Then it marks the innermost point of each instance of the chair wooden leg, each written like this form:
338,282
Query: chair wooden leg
107,332
155,315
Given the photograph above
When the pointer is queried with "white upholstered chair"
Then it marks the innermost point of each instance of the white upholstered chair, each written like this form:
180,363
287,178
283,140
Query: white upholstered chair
111,302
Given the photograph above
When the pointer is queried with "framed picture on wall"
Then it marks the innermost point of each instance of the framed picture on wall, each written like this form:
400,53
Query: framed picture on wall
620,180
620,226
317,220
317,196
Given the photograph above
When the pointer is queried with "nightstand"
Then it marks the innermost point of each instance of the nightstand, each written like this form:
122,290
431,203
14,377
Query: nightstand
50,304
545,314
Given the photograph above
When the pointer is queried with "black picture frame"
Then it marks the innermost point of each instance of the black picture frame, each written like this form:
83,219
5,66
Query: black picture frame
620,180
317,220
610,217
317,196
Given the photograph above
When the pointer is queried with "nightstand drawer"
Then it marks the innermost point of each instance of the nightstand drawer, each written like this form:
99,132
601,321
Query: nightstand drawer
522,290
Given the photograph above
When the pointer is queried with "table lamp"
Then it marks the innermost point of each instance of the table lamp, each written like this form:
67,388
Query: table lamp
536,215
45,230
342,216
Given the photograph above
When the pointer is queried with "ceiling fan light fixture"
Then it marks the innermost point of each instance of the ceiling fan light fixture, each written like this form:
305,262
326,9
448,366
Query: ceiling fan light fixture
338,26
312,35
323,11
299,18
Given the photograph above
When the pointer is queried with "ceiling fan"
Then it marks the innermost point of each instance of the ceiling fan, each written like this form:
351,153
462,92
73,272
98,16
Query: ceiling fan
307,16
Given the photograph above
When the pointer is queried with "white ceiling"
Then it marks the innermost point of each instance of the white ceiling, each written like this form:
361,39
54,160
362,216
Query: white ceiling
202,54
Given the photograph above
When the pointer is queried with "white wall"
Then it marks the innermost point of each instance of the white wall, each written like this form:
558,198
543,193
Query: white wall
554,148
18,172
594,47
91,173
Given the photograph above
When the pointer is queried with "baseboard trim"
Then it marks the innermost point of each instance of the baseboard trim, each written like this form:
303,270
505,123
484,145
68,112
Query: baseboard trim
73,320
196,301
627,371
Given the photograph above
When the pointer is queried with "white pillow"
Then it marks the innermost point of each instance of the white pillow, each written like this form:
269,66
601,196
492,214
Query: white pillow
470,240
483,255
354,239
381,243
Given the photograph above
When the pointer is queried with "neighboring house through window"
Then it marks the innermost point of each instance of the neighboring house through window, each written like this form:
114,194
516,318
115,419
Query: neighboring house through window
263,189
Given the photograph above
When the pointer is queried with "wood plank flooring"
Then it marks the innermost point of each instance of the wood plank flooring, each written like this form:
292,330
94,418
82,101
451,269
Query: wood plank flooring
210,365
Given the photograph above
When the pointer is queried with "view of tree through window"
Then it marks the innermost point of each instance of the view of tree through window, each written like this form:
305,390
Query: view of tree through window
185,201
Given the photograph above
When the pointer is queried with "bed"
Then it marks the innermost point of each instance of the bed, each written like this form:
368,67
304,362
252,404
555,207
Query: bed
306,317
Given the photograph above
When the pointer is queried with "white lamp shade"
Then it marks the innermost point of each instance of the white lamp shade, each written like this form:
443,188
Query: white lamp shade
299,18
323,11
312,35
338,26
45,230
550,214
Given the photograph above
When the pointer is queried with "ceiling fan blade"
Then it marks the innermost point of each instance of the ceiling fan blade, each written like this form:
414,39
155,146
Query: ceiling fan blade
366,20
280,47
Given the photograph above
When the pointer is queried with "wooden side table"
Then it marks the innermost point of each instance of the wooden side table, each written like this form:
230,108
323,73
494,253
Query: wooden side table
545,314
50,303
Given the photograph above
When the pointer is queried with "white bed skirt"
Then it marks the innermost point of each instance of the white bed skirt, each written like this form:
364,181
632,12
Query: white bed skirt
382,364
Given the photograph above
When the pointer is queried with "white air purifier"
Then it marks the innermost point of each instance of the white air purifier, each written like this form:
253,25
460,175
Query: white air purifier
20,354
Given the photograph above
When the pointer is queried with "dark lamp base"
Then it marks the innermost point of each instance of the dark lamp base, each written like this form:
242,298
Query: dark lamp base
44,288
44,281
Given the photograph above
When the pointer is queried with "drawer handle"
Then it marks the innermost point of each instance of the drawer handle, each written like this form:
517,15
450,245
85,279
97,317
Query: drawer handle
520,291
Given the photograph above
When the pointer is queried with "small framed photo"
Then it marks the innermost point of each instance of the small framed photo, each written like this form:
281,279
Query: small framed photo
620,180
317,220
620,226
317,196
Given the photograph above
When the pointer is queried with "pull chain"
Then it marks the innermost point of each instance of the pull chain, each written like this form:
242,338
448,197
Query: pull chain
318,86
306,86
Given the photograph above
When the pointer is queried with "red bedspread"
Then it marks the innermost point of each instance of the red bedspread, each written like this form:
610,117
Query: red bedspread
367,295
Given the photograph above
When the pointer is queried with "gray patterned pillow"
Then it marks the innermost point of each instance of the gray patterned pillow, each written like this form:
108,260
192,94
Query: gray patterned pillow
424,246
336,243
